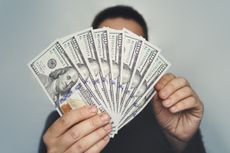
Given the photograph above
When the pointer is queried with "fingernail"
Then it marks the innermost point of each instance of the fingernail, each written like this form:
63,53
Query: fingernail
108,128
93,109
105,117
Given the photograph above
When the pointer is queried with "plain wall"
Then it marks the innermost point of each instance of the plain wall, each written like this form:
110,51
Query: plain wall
193,35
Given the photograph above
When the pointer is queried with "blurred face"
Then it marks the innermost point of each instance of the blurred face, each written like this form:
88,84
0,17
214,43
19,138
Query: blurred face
66,81
119,23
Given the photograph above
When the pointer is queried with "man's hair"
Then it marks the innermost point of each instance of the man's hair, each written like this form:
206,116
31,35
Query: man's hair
122,11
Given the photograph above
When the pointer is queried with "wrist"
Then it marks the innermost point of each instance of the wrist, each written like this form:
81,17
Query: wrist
177,145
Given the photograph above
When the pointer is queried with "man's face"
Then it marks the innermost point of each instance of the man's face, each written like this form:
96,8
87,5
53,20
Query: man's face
119,23
66,81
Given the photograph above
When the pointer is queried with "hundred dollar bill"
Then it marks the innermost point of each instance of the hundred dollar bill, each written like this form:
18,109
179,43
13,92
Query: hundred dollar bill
138,103
132,48
74,53
61,81
102,47
86,59
147,57
116,64
85,41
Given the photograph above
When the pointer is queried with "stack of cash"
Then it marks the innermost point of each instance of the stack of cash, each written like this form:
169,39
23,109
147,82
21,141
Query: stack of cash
116,70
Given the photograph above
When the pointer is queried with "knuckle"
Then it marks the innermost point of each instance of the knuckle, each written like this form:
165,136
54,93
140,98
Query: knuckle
171,87
183,104
93,122
183,80
75,134
177,95
167,77
193,99
188,90
46,139
49,144
188,103
79,146
182,93
164,80
101,133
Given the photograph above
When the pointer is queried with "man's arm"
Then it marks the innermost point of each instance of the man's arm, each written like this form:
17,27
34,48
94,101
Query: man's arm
179,111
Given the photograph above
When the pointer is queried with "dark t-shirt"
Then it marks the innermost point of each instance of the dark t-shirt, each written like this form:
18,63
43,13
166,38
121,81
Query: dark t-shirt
142,135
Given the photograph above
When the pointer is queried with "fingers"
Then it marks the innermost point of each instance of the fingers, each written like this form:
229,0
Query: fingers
97,148
172,86
177,96
82,129
69,119
164,80
90,140
184,104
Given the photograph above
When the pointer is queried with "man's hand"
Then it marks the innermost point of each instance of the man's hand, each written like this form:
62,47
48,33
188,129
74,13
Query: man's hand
78,131
178,108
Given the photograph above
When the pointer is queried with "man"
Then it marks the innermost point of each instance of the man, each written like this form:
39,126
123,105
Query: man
170,123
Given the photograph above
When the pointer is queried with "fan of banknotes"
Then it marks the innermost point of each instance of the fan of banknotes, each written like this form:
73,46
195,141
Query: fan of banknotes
116,70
